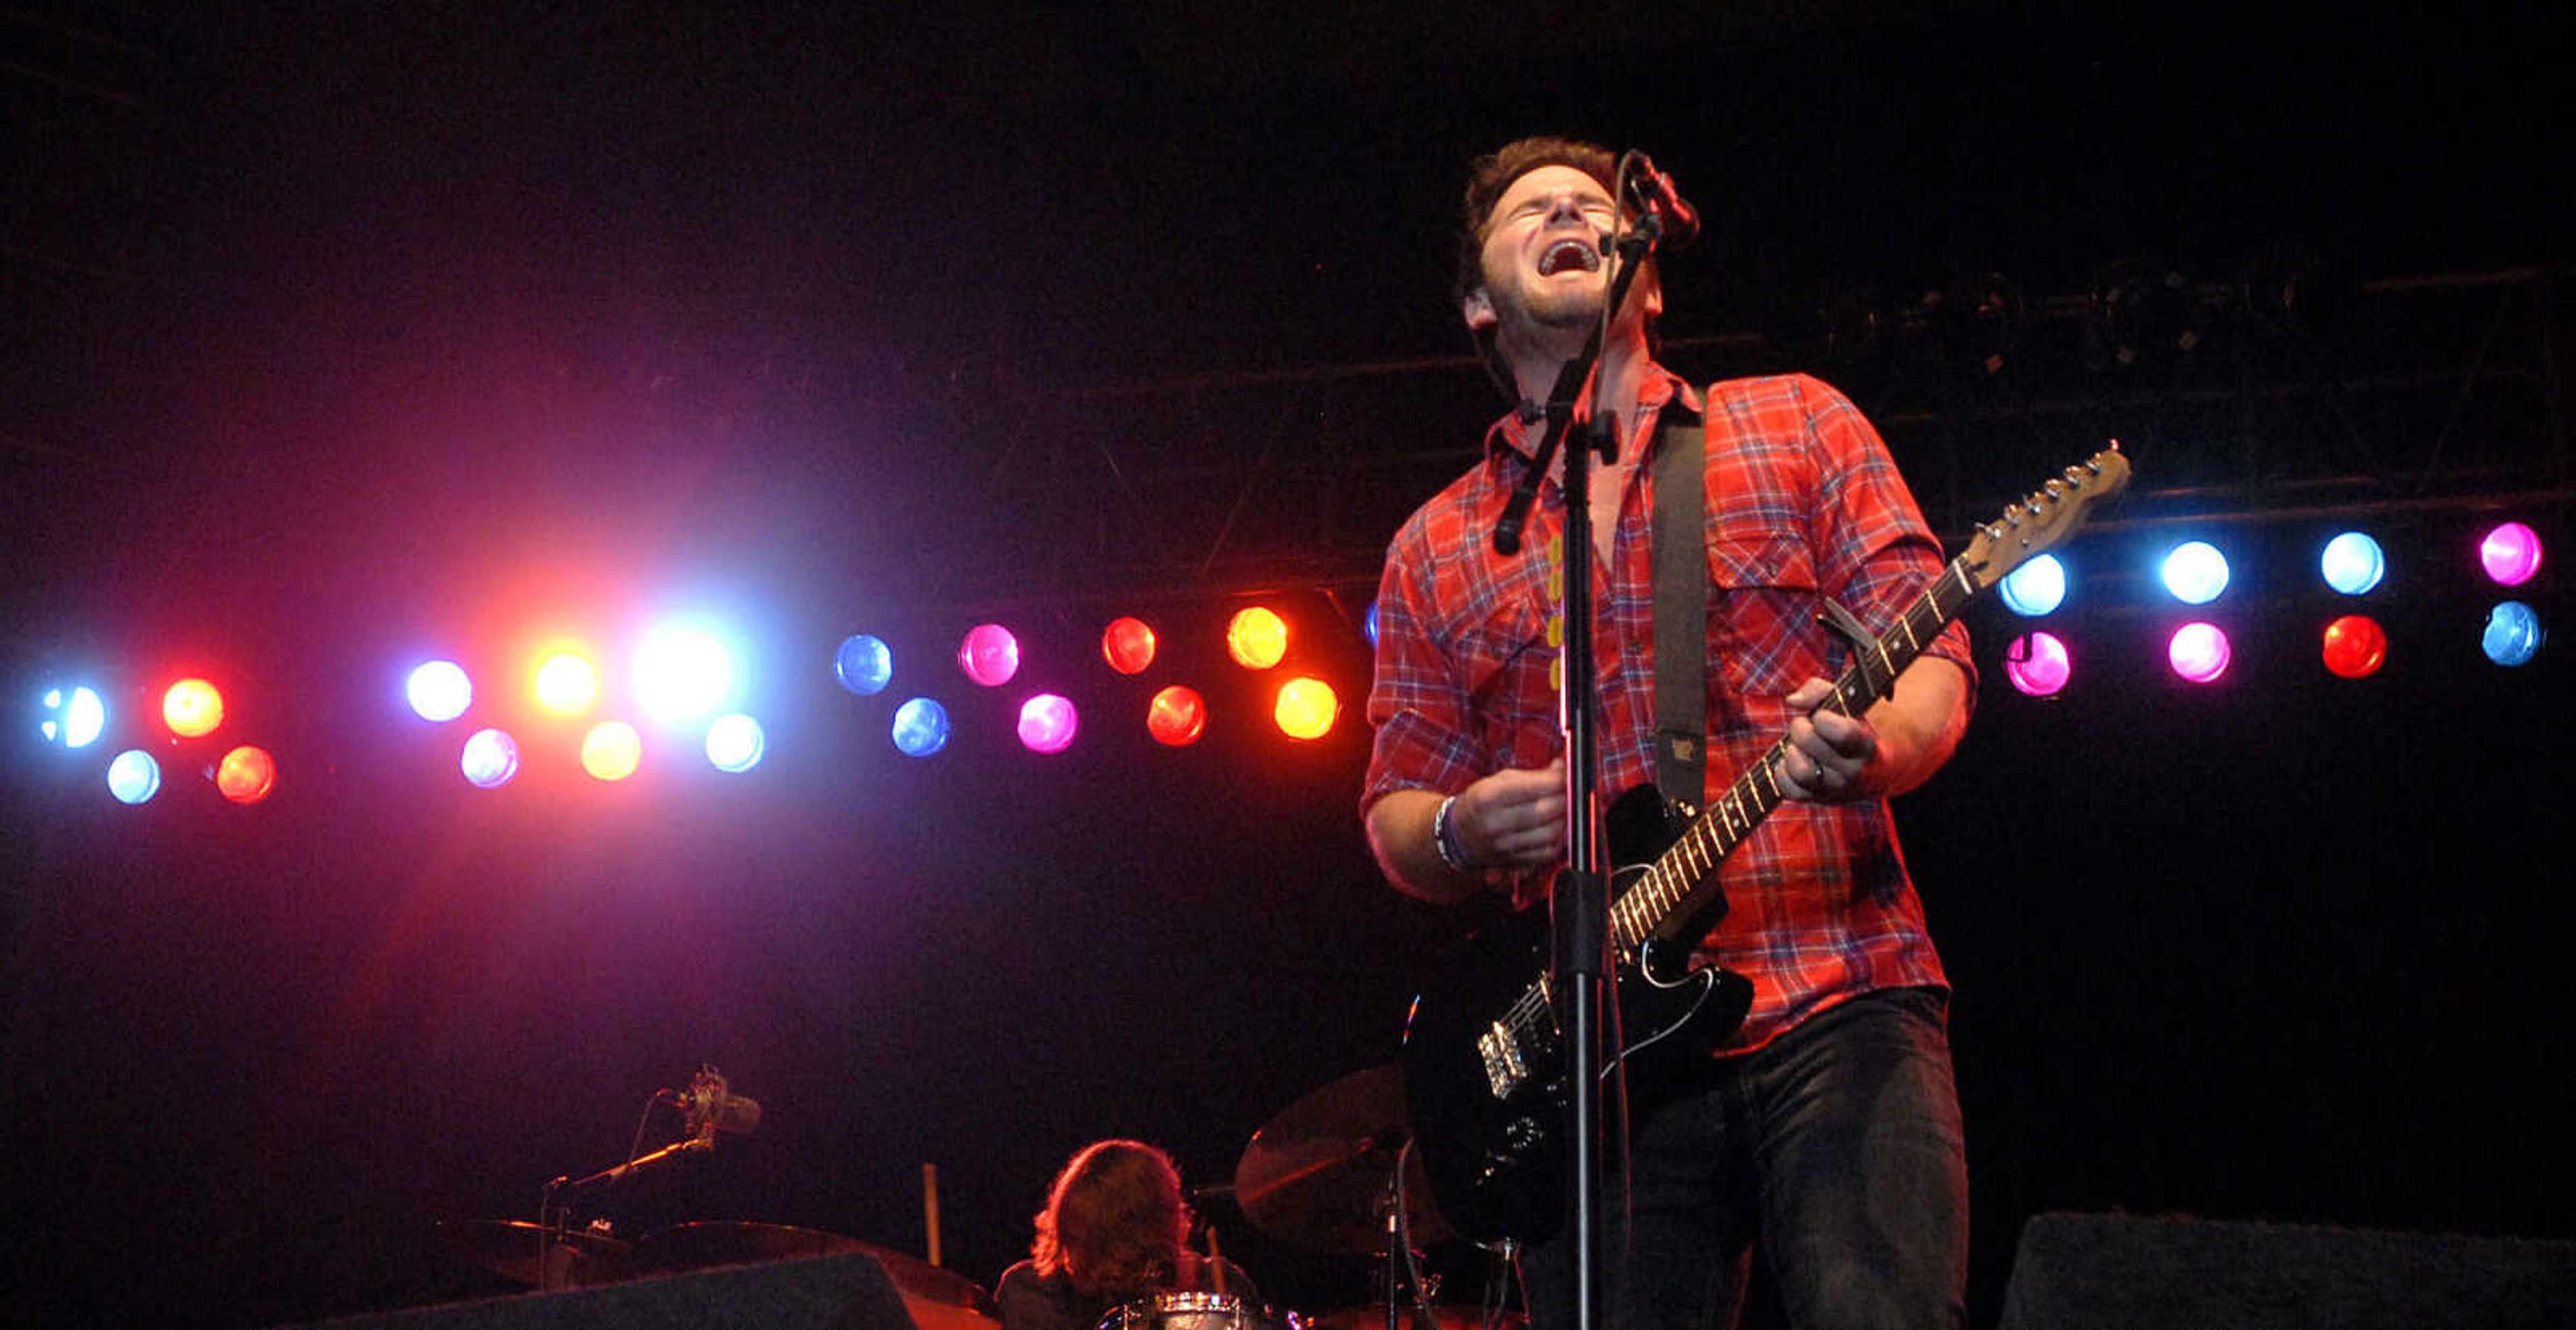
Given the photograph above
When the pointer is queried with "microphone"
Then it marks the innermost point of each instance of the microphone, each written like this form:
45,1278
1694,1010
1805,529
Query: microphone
739,1114
710,1106
1653,191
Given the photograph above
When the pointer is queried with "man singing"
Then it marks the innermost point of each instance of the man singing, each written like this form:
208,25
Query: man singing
1824,1133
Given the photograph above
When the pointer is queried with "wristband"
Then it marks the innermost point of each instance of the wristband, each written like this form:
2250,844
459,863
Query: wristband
1444,840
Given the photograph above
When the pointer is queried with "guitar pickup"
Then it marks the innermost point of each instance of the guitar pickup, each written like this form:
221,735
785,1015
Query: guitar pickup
1504,1067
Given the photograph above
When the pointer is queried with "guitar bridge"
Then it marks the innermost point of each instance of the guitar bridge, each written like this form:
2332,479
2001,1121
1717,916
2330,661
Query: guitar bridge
1504,1067
1501,1044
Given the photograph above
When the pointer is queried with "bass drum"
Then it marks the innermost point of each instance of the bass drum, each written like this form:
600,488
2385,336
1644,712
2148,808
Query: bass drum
1197,1311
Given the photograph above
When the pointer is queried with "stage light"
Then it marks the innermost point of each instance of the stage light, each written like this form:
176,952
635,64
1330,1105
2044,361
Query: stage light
2036,588
2510,553
2513,633
439,691
1368,622
864,665
490,760
2195,572
133,777
683,673
192,708
1307,708
1047,723
612,750
2353,563
2198,652
1177,716
2037,664
567,684
246,774
920,727
1257,638
74,717
735,743
1128,645
989,655
2356,646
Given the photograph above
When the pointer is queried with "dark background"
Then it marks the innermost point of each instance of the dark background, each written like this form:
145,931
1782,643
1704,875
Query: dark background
336,332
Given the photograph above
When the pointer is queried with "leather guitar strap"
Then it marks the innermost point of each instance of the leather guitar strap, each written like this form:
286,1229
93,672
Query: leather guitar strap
1681,607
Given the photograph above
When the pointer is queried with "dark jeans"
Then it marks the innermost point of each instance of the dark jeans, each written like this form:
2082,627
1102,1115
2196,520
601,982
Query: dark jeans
1838,1147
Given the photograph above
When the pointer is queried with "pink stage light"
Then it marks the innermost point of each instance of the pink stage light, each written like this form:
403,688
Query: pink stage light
989,655
2198,652
2037,664
1047,723
2510,554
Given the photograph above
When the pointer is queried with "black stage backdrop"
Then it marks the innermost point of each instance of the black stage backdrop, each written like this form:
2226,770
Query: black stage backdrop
337,334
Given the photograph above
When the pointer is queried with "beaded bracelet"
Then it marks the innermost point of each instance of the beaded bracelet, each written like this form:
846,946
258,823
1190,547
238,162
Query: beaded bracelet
1444,839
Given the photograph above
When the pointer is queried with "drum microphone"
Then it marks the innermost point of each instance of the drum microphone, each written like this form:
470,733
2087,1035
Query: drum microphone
710,1106
1653,191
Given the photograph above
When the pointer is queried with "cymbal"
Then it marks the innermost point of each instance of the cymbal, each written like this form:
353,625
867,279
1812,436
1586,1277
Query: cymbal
701,1245
522,1252
1317,1174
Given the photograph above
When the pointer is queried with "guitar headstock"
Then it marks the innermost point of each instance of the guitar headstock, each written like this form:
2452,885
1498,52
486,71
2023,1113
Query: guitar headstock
2041,520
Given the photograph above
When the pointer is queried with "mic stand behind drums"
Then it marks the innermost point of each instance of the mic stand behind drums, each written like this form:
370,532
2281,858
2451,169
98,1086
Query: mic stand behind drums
1404,1291
1579,907
558,1255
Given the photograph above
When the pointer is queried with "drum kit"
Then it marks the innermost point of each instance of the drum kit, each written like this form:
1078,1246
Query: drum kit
1333,1173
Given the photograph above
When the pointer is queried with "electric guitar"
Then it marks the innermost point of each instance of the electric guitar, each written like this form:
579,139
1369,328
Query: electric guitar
1484,1057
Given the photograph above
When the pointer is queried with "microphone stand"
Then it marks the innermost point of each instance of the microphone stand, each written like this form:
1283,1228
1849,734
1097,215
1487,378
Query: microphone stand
1579,907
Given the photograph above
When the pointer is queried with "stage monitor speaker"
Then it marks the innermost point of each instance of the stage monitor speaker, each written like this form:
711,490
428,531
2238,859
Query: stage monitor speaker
846,1292
2095,1272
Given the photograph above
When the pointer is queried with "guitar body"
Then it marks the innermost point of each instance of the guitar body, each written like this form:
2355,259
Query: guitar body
1485,1062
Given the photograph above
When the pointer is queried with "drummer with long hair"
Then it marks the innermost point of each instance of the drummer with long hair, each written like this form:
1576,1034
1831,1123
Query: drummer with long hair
1114,1231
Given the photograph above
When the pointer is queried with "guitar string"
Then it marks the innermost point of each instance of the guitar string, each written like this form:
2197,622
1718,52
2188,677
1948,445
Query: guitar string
1664,886
1707,843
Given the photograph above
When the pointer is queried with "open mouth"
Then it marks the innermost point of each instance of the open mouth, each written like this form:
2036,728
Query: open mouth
1569,254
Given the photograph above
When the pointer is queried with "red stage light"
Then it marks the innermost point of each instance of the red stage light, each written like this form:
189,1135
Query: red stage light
2355,646
1177,717
246,774
1128,645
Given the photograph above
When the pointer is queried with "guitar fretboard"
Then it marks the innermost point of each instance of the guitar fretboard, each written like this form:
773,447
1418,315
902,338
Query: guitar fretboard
1677,876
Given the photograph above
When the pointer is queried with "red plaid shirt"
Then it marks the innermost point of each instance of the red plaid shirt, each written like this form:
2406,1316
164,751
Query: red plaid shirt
1803,501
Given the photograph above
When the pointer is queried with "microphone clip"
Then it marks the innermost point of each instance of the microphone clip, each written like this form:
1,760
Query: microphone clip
1664,218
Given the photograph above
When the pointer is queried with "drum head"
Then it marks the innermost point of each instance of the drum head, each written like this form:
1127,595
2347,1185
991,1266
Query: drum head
1180,1311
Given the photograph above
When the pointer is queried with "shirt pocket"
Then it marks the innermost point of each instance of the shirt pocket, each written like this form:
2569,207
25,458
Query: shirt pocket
1506,656
1763,600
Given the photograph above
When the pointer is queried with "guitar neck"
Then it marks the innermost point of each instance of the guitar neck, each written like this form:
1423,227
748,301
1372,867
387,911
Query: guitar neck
1665,894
